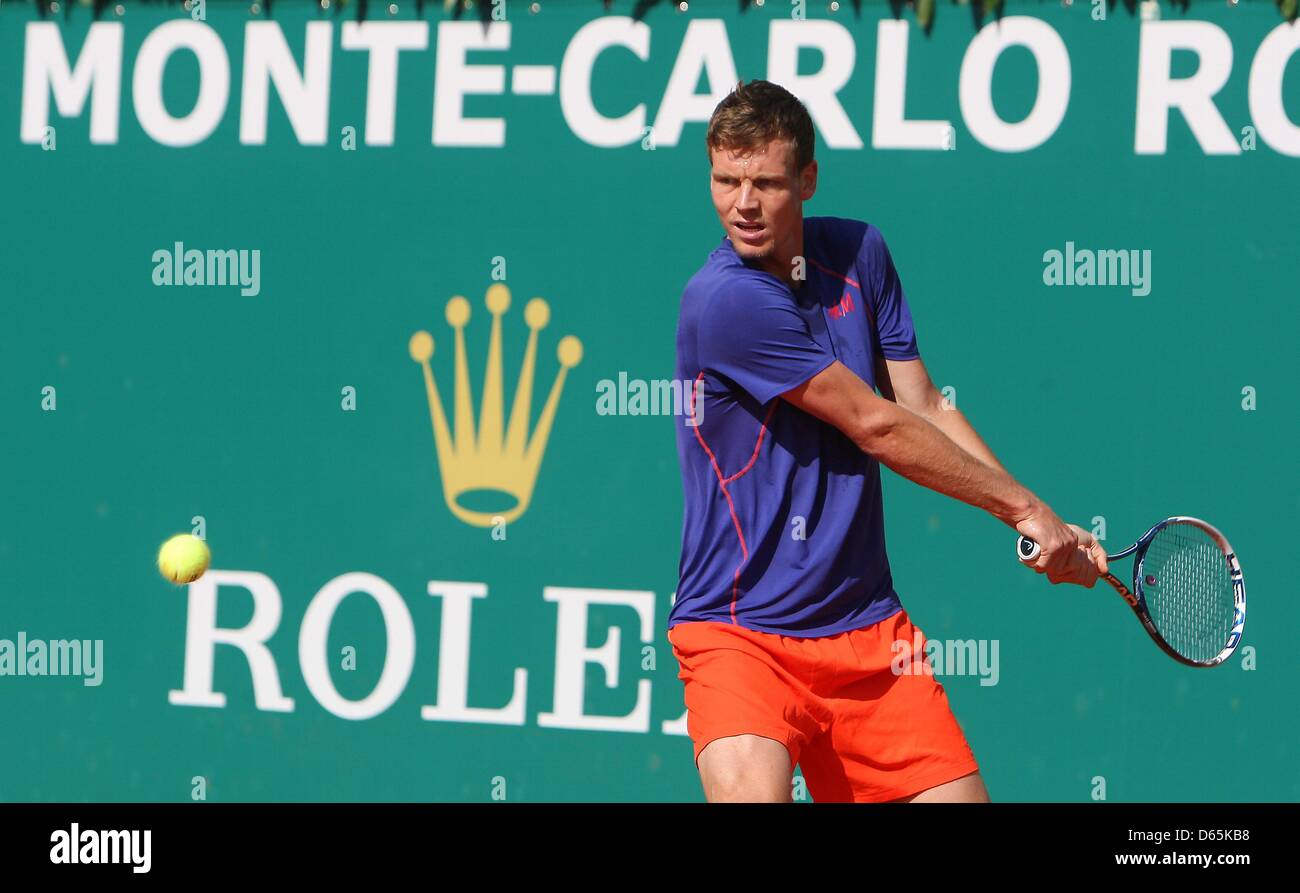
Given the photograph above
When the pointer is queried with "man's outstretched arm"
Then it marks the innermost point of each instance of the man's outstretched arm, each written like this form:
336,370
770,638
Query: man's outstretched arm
907,383
921,452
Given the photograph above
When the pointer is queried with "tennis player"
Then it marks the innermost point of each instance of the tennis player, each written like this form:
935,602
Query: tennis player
786,616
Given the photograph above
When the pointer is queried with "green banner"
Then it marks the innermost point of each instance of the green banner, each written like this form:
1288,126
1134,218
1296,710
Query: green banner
384,311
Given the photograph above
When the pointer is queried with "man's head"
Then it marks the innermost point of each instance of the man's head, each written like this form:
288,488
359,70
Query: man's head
760,144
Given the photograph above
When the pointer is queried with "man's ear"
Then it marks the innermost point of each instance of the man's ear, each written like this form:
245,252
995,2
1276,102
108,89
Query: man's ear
808,181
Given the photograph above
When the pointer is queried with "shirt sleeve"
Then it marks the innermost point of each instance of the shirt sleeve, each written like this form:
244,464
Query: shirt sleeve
753,334
894,327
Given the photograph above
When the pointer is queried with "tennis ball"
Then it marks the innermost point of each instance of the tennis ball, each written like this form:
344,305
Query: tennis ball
183,558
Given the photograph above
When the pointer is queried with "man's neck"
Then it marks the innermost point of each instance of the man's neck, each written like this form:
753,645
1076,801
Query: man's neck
783,267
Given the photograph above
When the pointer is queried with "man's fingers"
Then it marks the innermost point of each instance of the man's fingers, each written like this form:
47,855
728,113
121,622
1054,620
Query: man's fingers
1087,569
1071,554
1077,566
1099,558
1062,558
1054,560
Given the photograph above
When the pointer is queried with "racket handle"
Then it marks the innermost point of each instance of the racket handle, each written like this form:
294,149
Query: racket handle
1027,550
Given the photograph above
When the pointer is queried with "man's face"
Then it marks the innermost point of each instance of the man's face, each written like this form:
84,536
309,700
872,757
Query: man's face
759,199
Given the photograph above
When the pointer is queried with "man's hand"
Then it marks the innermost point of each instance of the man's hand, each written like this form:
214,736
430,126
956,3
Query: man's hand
1069,553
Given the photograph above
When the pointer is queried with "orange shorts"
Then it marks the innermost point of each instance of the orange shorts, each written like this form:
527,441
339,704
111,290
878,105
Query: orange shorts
859,730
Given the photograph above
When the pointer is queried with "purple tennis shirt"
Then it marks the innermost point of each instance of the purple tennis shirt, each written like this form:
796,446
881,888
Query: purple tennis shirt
783,529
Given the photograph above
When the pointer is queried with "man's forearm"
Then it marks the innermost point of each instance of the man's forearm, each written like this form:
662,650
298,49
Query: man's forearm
960,431
920,451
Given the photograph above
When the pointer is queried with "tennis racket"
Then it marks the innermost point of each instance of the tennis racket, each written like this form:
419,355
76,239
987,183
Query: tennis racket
1188,590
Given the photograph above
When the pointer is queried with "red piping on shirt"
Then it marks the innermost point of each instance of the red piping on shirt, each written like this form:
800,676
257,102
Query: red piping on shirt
866,305
724,481
826,269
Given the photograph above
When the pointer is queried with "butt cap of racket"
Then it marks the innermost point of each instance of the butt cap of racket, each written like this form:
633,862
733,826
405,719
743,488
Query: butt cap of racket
1027,550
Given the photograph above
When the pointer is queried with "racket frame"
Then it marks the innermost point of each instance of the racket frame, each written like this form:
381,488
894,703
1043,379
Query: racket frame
1135,597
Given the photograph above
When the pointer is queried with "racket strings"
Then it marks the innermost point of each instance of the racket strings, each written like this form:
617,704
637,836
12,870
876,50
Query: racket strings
1187,583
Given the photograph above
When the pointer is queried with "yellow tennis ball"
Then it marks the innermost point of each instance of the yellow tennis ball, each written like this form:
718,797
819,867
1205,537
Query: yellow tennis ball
183,558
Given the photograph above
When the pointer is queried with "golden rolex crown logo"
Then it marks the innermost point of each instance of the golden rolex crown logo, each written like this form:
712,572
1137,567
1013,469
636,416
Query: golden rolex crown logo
488,458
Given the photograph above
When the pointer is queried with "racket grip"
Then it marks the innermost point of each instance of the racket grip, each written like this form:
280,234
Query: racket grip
1027,550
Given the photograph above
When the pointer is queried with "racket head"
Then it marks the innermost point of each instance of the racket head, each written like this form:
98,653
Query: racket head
1190,591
